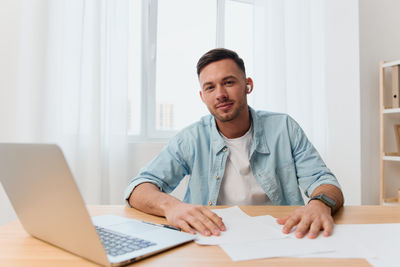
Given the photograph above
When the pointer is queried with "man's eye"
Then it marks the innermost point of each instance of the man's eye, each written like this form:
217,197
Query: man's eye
229,83
209,88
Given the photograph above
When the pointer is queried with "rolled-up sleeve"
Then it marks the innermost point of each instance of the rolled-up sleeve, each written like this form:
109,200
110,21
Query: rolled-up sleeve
311,169
165,171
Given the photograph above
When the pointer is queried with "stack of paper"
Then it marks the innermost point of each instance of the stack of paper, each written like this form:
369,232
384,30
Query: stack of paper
241,228
249,238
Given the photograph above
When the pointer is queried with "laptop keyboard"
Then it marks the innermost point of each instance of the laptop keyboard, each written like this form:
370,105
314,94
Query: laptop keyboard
117,244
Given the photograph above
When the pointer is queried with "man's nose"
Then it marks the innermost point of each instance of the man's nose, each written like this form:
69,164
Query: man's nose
222,94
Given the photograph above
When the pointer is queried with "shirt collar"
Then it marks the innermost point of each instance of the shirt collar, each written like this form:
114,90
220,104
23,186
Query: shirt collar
218,143
259,135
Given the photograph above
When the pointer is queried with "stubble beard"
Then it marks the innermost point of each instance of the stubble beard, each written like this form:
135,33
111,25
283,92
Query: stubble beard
231,117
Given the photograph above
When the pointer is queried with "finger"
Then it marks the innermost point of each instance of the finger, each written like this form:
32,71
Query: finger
213,224
315,228
196,223
290,223
215,219
282,220
186,228
327,225
302,227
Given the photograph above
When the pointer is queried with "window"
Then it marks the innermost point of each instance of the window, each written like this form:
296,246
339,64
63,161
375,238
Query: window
239,30
174,34
186,30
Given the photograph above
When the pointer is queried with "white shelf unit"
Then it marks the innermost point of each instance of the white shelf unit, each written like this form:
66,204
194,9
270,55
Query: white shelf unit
391,158
391,110
389,116
390,63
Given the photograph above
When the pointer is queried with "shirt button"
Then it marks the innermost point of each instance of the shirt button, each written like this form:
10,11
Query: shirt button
225,149
216,176
209,203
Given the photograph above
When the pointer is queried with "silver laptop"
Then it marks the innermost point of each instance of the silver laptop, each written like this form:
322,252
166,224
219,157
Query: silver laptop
47,201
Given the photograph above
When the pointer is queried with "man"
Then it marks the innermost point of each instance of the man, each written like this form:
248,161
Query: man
237,156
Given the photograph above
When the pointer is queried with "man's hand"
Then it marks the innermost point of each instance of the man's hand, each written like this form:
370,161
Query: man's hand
312,218
190,218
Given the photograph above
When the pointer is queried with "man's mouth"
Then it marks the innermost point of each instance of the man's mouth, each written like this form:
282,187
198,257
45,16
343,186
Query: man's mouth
225,106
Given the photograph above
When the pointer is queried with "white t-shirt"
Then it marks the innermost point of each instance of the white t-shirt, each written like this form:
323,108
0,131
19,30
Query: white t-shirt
239,187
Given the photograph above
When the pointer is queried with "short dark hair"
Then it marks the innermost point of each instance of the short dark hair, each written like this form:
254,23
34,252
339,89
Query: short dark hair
218,54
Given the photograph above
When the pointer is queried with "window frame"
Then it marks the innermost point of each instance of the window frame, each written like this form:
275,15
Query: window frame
148,131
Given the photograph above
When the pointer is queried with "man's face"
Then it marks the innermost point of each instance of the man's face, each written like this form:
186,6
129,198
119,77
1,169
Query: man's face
223,89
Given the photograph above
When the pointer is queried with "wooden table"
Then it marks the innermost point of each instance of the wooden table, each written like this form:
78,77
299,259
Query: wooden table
17,248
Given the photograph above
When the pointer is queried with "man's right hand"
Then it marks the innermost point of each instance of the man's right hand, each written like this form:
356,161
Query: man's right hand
191,218
188,217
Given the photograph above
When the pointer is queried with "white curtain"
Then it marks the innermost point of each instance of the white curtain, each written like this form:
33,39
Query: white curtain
78,51
74,77
290,63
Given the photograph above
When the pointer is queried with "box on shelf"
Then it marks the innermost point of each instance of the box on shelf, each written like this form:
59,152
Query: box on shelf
395,87
391,154
398,195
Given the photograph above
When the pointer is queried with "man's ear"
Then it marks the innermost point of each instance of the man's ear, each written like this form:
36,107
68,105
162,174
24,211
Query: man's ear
201,96
249,85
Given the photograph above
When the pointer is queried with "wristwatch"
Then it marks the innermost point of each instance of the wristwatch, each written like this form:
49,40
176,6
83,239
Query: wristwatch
326,200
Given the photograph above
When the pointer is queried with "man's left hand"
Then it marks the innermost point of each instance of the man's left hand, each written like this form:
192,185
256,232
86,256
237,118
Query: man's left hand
311,219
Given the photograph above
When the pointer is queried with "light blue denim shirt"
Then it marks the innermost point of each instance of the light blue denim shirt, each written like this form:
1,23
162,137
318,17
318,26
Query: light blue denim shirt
281,158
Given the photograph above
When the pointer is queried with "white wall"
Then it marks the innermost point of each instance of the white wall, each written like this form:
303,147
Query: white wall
379,40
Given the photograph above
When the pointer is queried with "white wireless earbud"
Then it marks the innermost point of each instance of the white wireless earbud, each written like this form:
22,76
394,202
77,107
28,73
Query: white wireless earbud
248,88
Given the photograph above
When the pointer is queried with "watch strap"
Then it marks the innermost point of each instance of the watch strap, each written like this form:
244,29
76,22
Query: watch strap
326,200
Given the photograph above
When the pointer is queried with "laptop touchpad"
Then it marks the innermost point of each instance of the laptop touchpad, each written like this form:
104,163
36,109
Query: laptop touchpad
132,228
122,224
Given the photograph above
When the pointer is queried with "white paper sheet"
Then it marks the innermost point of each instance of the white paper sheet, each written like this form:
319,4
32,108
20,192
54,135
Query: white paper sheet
258,237
263,248
271,221
345,239
287,247
231,213
378,243
240,228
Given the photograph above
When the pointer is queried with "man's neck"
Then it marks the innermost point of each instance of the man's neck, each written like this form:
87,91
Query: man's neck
237,127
